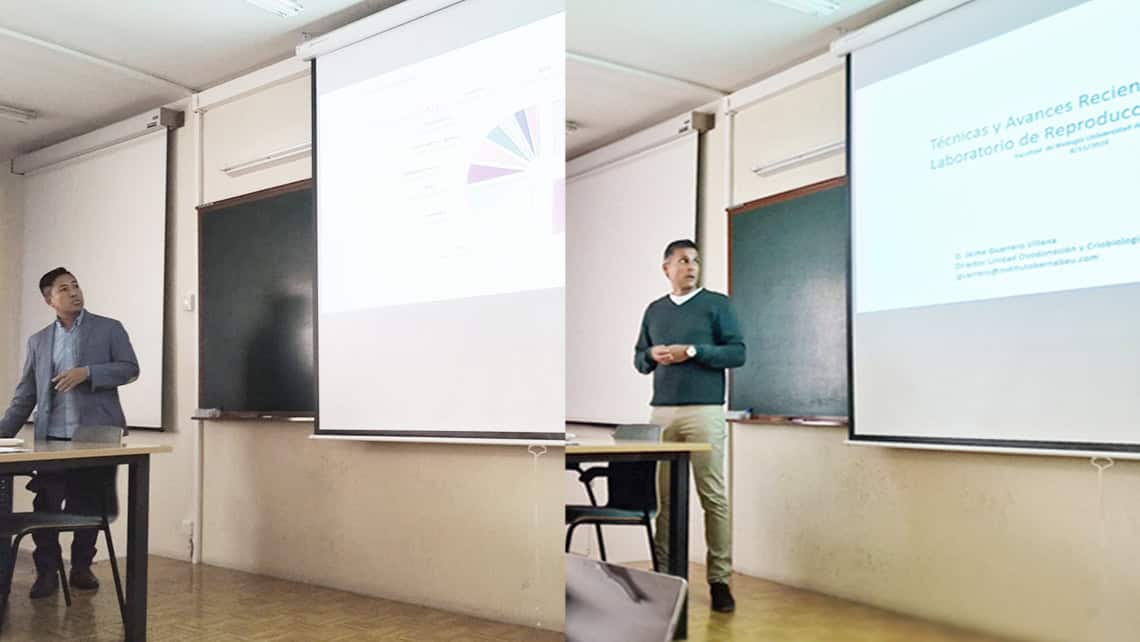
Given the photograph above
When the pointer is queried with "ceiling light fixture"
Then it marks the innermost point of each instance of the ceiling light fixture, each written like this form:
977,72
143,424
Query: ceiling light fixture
16,114
810,7
823,151
283,8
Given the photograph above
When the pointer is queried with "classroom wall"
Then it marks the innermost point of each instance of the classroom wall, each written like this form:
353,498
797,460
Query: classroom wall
473,529
170,497
12,346
172,507
1007,544
11,224
624,543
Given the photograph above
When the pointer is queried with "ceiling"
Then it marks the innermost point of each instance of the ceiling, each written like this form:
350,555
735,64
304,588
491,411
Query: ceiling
693,53
631,63
193,45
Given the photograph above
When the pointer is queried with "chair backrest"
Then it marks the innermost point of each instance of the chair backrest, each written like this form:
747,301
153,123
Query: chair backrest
104,435
637,432
611,603
632,485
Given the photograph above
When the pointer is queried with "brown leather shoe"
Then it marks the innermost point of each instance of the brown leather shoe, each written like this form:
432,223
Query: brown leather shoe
46,585
83,579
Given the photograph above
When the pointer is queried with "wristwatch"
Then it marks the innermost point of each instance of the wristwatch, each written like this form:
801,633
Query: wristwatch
691,351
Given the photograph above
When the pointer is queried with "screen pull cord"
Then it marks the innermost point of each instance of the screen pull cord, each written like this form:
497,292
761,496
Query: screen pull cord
536,450
1102,464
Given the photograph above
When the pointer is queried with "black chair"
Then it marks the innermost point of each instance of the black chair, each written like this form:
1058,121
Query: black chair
631,490
15,526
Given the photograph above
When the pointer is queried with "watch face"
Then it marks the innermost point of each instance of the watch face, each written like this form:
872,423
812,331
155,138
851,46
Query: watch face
691,351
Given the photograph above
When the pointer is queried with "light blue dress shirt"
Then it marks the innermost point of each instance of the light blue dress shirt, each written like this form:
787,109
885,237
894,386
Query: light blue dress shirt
64,418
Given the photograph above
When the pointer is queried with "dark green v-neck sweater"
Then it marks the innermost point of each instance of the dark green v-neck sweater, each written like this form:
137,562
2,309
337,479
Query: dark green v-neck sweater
705,321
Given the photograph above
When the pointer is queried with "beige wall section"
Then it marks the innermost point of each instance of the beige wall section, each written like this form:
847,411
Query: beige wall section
712,226
790,123
172,474
1009,544
11,226
255,125
473,529
13,347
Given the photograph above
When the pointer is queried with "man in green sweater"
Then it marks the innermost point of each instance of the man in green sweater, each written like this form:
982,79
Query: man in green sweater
687,339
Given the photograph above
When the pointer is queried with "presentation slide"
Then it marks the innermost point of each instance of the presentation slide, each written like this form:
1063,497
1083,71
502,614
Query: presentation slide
995,243
467,176
993,173
441,228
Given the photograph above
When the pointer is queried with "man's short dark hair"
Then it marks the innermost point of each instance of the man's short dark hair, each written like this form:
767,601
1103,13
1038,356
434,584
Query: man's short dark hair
683,244
48,279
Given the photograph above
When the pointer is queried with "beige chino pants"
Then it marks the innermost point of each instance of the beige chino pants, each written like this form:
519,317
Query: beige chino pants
698,424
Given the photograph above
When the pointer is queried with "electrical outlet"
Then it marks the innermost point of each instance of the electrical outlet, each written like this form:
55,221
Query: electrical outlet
187,527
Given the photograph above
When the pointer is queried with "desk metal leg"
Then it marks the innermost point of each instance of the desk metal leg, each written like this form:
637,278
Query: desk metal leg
5,542
138,490
679,532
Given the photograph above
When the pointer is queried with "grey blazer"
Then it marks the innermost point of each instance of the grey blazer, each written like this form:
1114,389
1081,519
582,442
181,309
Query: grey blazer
102,346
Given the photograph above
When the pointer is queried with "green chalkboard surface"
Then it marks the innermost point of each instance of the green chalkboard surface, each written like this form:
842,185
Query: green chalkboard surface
788,282
256,272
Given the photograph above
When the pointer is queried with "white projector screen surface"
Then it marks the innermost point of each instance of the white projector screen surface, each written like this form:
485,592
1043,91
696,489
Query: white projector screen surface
440,226
995,243
621,217
103,216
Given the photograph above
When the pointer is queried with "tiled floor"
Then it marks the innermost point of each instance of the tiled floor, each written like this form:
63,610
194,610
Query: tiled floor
189,602
770,612
214,604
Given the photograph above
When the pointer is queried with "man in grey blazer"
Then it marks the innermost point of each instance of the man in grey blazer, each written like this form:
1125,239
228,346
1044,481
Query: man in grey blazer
72,373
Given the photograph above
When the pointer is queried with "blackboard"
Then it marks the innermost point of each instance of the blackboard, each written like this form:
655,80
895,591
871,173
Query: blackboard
257,263
788,282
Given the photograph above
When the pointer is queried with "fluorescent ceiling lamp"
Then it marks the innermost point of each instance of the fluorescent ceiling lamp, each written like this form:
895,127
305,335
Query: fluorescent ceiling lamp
18,115
283,8
810,155
269,160
811,7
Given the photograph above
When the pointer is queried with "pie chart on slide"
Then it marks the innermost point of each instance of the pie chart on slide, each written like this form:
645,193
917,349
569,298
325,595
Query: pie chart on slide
513,172
510,148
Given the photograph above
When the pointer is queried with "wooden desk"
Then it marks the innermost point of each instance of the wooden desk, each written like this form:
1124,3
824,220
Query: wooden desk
71,455
597,445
